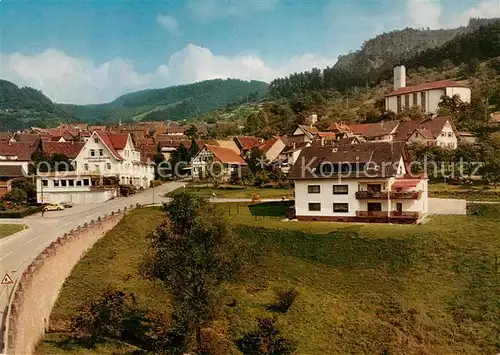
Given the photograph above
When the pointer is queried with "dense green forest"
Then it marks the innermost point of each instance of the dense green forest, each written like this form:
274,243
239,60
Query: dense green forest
173,103
25,107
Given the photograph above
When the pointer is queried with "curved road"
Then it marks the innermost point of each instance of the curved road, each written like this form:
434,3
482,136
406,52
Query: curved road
18,250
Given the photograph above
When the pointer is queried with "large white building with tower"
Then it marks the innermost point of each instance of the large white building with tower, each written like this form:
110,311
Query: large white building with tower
426,95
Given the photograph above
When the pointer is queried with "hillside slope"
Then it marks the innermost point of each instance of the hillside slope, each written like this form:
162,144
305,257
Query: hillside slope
24,107
172,103
387,49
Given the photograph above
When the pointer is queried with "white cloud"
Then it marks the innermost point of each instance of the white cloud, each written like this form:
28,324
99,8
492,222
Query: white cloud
215,9
433,14
168,22
81,81
424,13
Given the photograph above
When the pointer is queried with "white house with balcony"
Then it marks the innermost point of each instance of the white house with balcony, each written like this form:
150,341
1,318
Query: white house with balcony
103,158
365,182
426,95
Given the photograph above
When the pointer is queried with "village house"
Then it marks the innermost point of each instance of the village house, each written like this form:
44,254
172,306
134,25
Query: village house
245,143
364,182
427,96
226,160
104,157
14,162
272,148
440,131
305,133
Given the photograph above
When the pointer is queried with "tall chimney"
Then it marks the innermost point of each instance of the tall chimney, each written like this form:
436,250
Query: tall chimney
399,77
314,119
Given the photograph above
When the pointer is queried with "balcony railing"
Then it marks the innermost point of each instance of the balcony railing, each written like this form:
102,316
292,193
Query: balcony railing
384,195
385,214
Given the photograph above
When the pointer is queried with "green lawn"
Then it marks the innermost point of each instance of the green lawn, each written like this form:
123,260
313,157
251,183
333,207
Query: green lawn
363,288
475,192
9,229
232,191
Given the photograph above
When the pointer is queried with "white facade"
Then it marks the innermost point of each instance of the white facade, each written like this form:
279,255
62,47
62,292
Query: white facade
306,193
97,158
205,162
447,138
426,96
428,100
78,189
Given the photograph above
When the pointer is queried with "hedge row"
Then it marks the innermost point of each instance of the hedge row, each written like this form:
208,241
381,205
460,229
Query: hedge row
21,213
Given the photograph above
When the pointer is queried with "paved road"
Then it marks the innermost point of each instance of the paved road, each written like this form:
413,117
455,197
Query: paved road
17,251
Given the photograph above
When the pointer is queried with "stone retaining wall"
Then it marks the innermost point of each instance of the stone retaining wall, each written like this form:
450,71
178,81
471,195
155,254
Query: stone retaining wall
38,287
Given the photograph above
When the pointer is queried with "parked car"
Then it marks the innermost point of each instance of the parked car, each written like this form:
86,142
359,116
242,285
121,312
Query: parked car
54,207
67,204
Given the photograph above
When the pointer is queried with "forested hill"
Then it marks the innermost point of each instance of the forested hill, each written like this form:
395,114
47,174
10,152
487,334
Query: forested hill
480,44
387,49
172,103
24,107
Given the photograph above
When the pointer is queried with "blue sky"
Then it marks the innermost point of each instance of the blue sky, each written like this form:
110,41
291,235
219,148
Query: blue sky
93,51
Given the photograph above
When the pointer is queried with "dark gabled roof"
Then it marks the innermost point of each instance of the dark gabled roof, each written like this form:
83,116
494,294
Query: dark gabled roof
380,160
11,171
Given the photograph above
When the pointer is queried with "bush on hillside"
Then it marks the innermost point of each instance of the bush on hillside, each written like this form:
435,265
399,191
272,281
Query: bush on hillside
284,301
266,339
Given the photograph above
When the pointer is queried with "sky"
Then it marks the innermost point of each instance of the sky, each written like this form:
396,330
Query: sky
84,52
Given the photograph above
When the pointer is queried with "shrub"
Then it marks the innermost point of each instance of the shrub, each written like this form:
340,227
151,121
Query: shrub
104,316
126,190
266,339
483,210
17,196
285,300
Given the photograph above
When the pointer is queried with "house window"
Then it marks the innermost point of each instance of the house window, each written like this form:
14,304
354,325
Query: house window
314,206
415,96
78,182
450,134
96,140
86,166
45,183
92,153
86,182
398,109
313,189
56,183
443,134
341,207
422,101
407,100
101,152
71,182
108,166
340,189
63,183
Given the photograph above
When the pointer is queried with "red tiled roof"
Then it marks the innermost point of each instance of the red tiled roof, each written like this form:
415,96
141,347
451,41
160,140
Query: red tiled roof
175,129
21,150
265,146
246,142
225,155
427,86
27,137
104,137
374,129
327,135
119,140
70,149
338,127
